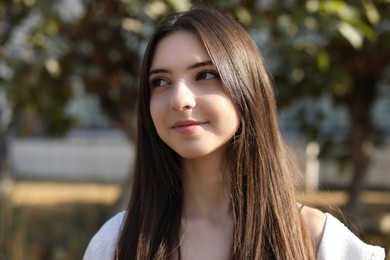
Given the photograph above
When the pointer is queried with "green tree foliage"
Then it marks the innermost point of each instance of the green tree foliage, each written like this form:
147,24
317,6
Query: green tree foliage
48,46
336,48
31,76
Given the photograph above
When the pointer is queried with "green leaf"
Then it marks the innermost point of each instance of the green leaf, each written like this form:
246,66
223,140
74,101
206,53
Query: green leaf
371,12
351,34
323,61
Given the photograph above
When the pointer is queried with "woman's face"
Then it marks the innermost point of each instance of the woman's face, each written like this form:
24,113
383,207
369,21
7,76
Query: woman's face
188,105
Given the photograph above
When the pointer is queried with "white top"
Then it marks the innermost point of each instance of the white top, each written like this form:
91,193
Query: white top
337,243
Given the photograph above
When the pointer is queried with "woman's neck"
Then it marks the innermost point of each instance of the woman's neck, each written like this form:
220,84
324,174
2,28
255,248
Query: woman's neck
206,194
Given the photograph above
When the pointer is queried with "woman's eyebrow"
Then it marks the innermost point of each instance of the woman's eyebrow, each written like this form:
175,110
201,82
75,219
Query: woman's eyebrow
193,66
157,71
200,64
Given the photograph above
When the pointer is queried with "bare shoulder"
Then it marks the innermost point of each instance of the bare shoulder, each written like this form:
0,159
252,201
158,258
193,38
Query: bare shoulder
315,221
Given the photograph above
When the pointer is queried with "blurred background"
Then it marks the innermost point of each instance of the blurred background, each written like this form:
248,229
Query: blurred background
68,93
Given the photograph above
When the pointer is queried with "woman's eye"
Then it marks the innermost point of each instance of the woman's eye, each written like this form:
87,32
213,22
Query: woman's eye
158,82
207,75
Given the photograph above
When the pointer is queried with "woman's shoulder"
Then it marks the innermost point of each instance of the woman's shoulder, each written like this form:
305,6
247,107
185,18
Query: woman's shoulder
334,240
316,222
103,243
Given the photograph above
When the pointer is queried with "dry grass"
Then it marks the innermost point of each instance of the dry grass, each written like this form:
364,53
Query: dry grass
339,198
52,193
47,220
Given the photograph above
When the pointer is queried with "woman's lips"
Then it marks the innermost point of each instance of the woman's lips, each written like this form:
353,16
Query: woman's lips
187,126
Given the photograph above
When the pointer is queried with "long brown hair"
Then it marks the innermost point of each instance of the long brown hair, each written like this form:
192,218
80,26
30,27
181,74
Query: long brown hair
267,224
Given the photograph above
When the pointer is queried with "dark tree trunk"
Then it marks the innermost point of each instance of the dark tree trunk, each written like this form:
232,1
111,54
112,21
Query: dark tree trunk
360,103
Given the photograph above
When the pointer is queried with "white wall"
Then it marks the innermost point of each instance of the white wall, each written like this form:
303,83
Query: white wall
102,159
109,159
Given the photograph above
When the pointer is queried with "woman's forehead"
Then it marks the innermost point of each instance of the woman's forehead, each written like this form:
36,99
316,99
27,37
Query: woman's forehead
180,48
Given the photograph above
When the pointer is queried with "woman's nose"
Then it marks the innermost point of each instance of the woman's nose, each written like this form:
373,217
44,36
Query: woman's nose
182,97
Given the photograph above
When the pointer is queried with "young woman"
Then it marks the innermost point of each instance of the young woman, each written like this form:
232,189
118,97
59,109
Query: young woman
212,177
